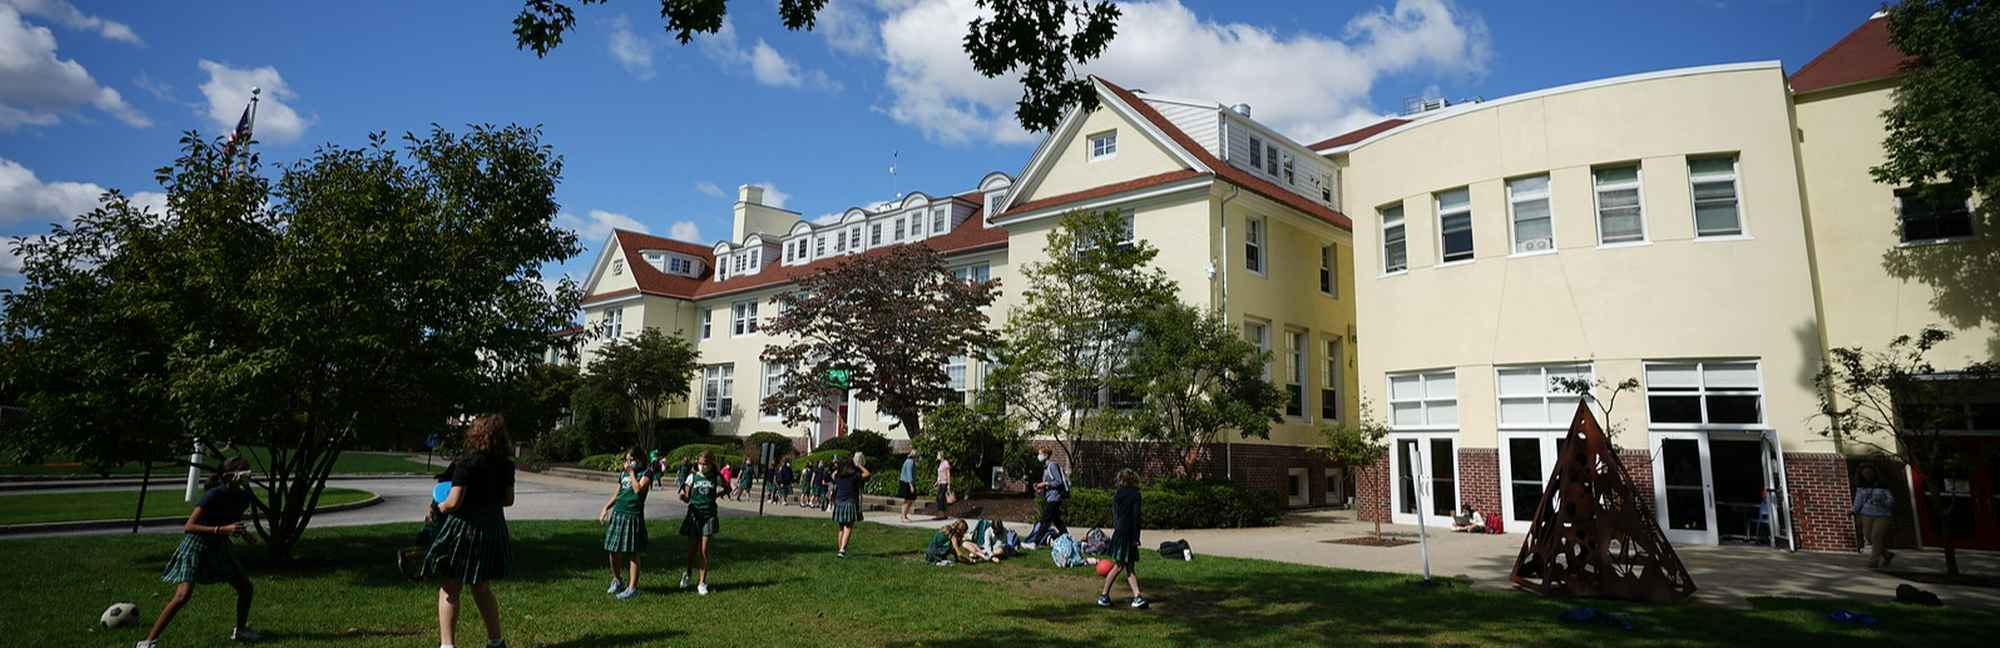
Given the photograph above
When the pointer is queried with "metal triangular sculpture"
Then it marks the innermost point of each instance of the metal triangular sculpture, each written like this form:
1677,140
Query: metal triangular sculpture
1592,535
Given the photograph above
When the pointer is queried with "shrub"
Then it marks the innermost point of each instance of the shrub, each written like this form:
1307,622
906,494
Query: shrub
867,442
799,463
724,454
1181,504
676,432
607,462
755,443
883,481
564,443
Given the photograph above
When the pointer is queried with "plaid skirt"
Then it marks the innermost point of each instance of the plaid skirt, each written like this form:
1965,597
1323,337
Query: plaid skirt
1123,553
846,513
625,533
700,522
203,559
471,548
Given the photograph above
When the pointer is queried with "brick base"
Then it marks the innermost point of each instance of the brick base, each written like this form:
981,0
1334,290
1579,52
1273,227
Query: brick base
1821,497
1479,479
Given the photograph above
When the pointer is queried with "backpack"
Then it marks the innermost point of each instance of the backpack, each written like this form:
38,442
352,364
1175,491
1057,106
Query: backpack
1064,551
1094,543
1177,549
1493,523
1013,540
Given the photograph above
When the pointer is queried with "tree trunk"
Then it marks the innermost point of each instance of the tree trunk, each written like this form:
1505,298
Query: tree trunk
145,482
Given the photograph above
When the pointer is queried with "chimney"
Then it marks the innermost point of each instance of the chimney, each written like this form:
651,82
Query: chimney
752,194
1241,109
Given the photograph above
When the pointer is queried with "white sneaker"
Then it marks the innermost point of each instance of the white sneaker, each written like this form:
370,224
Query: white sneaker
628,593
701,589
685,579
147,644
244,633
616,585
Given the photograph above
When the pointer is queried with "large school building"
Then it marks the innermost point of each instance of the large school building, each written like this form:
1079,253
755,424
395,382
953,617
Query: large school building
1707,231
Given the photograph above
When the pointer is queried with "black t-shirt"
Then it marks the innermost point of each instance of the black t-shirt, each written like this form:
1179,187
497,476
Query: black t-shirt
222,505
1125,515
486,480
847,486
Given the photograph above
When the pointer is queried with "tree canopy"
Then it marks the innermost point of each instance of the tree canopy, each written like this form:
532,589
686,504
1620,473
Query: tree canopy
648,372
1198,377
1045,40
372,292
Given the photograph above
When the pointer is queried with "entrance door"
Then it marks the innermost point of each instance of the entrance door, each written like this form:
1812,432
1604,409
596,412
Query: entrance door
1777,498
1683,487
1528,461
1430,486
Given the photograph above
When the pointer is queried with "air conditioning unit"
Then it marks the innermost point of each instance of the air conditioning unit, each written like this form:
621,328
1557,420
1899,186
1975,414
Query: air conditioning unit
1537,245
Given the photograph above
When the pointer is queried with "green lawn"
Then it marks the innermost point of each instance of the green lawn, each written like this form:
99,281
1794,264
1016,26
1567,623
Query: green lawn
350,463
777,582
118,505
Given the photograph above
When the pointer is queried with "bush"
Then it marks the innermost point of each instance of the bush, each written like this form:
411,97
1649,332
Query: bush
867,442
1181,504
728,454
755,443
799,463
564,443
673,433
883,481
607,462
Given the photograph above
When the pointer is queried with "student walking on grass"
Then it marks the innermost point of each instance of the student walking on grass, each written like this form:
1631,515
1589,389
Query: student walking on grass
906,484
624,520
204,557
847,481
943,485
699,491
471,546
1874,507
1124,552
1053,489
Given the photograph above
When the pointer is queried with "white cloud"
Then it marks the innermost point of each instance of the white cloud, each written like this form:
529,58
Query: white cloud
69,16
766,64
10,263
228,91
24,197
847,29
772,196
36,88
1306,84
709,189
597,224
685,231
631,50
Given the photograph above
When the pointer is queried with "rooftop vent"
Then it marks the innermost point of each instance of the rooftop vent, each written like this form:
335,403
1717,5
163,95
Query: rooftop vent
1241,109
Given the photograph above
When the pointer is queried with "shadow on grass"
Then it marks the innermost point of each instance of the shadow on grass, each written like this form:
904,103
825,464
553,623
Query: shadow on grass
594,640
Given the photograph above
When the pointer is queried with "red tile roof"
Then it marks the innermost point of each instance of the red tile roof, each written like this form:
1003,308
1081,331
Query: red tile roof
970,236
1107,190
1358,134
1220,169
1865,54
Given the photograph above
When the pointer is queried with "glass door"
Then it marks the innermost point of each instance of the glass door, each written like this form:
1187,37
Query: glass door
1529,462
1776,511
1425,471
1683,487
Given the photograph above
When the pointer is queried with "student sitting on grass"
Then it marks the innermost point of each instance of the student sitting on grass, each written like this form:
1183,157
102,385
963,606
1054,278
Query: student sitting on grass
624,520
204,557
1124,552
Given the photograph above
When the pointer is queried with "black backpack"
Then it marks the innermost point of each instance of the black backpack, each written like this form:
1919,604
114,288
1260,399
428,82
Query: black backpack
1177,550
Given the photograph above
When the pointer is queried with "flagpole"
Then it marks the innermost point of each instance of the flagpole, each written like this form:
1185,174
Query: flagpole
255,93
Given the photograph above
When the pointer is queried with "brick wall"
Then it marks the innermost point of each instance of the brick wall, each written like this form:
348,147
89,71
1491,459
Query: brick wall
1821,496
1479,479
1639,469
1371,491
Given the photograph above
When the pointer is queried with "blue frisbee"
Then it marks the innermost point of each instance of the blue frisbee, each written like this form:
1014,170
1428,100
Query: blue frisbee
442,491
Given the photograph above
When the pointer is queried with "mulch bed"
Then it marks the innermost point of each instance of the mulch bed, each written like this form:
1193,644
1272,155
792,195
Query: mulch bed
1011,507
1371,541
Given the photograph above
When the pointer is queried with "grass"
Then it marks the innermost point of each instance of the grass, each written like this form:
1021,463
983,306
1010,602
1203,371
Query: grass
776,581
350,463
118,505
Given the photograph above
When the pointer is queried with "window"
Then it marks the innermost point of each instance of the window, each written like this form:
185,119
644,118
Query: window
1704,393
718,389
899,230
614,322
1395,251
1326,188
1943,215
706,315
1259,334
1271,159
1531,397
1713,183
1103,145
680,265
1420,400
1455,224
1295,374
1327,275
618,266
744,317
1534,230
1329,380
874,234
1620,219
1253,244
940,219
1256,153
819,246
975,273
774,380
1289,177
954,371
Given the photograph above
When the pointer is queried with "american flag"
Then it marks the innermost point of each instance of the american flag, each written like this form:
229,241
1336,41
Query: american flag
242,134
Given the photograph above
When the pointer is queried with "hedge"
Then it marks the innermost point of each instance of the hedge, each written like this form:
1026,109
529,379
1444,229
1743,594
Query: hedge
883,482
607,462
729,454
1181,504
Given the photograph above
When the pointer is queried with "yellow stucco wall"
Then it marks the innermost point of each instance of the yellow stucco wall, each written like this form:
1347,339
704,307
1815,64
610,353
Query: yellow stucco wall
1072,170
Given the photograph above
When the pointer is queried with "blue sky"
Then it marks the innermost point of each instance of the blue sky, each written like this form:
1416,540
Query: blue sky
658,135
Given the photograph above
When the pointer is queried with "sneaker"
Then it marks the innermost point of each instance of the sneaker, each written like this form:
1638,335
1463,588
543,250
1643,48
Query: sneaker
616,585
685,579
701,589
496,643
1103,600
147,644
840,554
1140,603
244,633
628,593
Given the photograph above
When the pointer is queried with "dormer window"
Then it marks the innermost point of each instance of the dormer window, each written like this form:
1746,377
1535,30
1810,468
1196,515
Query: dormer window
940,219
1104,146
819,246
1271,159
1289,178
680,265
899,230
1256,153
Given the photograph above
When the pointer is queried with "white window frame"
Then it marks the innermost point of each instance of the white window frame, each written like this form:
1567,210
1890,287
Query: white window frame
940,220
1400,223
1103,145
1514,200
772,372
1331,364
1256,253
718,391
971,273
960,382
874,234
1702,392
1329,270
1291,177
1437,205
1259,333
1735,186
1548,393
707,317
1271,159
680,265
1298,357
1901,195
743,318
1257,153
1423,439
1423,401
900,229
819,247
614,321
1637,184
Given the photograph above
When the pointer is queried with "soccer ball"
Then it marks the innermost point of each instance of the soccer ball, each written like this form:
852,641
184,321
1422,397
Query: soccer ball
118,615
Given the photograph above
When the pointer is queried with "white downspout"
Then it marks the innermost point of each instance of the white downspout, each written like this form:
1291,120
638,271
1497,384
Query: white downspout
1228,446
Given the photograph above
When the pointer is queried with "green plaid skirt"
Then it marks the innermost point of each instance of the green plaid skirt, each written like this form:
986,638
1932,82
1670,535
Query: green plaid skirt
203,559
1123,553
625,533
700,522
470,547
846,513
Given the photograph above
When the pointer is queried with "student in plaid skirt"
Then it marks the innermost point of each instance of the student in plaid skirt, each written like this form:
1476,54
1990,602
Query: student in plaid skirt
471,546
204,557
699,490
1124,553
847,481
624,520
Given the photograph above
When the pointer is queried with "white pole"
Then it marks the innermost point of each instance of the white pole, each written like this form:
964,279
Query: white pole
1417,483
194,472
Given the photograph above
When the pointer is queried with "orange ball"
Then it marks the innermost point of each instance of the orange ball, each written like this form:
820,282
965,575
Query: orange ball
1104,567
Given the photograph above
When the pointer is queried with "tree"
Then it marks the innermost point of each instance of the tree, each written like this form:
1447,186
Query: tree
1197,377
363,293
974,436
1046,40
1944,140
536,399
887,322
1360,441
1605,394
1076,327
1898,404
648,373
